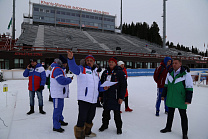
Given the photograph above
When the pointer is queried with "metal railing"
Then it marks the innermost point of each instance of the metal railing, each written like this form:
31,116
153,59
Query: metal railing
96,52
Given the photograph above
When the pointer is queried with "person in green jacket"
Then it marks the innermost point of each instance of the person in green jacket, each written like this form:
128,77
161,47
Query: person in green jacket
179,90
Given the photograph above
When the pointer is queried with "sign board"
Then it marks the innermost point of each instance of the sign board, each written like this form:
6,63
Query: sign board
5,88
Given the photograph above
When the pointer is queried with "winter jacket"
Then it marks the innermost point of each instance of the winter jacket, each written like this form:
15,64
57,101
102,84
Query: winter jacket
115,92
88,82
59,82
37,77
125,71
178,89
48,73
161,72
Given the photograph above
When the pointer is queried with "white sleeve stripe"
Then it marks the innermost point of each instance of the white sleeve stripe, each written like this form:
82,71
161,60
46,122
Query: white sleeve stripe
58,76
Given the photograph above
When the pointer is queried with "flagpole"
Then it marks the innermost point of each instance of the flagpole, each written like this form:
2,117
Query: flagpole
13,21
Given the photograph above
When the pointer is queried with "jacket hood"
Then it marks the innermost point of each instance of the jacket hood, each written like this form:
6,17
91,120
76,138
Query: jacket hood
166,59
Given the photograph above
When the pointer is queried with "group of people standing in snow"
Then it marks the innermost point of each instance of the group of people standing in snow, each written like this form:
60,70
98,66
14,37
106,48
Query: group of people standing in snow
89,90
174,86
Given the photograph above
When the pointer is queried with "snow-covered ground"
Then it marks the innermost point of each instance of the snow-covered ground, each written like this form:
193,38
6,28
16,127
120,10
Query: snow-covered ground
139,124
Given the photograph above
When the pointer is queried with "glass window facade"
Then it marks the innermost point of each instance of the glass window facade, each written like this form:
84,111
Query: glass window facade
45,13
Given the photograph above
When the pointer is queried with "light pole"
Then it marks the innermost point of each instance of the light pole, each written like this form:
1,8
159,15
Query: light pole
121,17
164,23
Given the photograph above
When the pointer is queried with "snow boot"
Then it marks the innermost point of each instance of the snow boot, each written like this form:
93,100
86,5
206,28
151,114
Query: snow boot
41,110
63,123
128,110
88,132
165,130
157,113
185,137
119,131
79,132
59,130
31,110
103,127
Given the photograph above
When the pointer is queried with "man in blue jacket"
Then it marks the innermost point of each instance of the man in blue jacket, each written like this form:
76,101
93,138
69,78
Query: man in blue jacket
37,80
88,87
59,87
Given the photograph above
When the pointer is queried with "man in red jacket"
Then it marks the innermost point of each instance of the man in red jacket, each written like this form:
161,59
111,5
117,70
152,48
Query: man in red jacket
159,77
127,109
37,80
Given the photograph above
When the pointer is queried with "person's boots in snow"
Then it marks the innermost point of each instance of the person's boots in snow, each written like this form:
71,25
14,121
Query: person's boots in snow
41,110
185,137
79,132
63,123
119,131
128,110
31,110
59,130
165,130
157,113
103,127
88,132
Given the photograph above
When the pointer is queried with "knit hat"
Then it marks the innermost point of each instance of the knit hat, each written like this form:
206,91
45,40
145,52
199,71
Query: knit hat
113,59
89,56
120,63
63,59
33,60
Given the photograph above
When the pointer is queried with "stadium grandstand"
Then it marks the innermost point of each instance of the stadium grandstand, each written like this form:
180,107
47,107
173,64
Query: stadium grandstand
53,30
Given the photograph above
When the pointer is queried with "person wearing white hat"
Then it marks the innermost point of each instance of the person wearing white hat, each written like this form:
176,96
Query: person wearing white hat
127,109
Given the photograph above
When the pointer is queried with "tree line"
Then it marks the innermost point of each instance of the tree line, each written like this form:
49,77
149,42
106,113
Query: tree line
151,34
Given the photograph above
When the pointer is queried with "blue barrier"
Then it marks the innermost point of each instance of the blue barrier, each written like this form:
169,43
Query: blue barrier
149,72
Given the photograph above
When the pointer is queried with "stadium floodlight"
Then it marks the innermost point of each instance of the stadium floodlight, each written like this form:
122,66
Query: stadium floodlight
164,24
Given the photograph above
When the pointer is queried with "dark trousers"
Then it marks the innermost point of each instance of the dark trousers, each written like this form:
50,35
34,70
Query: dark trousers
126,102
86,113
117,118
184,119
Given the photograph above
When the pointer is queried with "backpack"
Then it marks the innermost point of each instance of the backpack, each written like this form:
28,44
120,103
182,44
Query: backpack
156,75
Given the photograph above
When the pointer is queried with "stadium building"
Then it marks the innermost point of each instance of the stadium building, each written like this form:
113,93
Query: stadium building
52,30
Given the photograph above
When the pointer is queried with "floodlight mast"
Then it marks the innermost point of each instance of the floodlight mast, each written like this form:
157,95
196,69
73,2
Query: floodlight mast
164,23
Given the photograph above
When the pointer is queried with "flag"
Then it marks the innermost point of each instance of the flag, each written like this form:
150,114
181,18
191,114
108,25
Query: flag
10,22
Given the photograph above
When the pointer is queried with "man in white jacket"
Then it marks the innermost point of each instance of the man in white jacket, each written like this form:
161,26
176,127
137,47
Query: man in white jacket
59,87
88,88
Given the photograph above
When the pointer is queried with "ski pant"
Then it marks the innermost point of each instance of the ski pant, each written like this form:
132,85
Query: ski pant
58,105
159,93
32,96
86,113
184,119
126,102
117,118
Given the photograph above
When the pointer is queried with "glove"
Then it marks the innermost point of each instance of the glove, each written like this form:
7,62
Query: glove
41,88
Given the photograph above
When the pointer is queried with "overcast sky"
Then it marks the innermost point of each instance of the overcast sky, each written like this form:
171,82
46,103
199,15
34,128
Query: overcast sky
187,20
